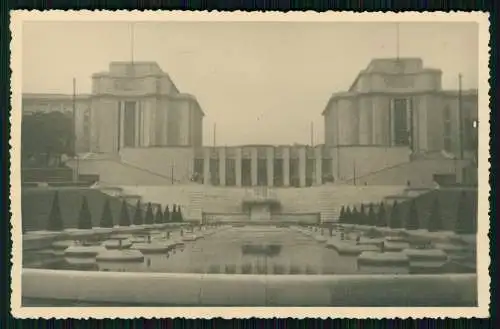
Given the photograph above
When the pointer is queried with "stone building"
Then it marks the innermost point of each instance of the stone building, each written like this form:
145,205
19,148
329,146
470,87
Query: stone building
399,102
131,105
394,114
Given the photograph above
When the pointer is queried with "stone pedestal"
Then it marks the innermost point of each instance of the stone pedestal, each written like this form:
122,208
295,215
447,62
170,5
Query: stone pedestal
260,212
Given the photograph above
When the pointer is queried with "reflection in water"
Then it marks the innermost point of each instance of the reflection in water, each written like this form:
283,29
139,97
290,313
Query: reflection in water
233,251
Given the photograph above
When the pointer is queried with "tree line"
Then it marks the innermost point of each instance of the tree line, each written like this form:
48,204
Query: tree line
56,223
464,221
45,137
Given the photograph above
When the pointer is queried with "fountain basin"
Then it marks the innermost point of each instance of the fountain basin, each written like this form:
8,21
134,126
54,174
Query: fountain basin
115,244
120,256
83,251
151,248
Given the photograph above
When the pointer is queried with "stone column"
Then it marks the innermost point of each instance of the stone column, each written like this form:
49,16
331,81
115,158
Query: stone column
222,166
237,163
334,153
136,124
391,121
253,165
206,165
302,166
286,166
122,124
270,166
318,156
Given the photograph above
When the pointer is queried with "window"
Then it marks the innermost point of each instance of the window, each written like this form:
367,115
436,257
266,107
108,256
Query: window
447,129
400,112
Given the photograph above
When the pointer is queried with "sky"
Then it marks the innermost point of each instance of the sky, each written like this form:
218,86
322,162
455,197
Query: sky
260,82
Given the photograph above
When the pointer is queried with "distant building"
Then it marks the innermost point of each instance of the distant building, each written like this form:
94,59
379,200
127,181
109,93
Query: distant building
394,114
132,105
399,102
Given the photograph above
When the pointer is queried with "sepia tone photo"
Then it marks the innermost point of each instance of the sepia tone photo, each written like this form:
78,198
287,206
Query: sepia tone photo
286,162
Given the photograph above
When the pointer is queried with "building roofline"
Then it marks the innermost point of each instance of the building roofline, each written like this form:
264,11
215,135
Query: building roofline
54,96
447,93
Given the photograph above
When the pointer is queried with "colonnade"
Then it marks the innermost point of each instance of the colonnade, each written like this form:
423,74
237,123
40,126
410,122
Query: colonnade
317,175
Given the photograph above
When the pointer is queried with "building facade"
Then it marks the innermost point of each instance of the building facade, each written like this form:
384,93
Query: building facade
131,105
394,111
399,102
286,165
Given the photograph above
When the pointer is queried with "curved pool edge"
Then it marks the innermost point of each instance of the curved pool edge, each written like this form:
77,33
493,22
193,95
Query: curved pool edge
61,287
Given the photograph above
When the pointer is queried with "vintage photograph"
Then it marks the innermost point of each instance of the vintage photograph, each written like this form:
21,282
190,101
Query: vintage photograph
219,163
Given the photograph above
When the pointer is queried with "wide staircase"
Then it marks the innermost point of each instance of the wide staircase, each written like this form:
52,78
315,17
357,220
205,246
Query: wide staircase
328,200
418,173
195,200
114,171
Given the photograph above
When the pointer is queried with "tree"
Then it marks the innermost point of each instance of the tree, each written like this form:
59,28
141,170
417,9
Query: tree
159,215
124,216
166,215
355,216
49,134
348,216
381,216
435,222
107,216
372,218
341,215
180,218
173,215
138,220
412,220
149,215
395,220
55,222
464,222
362,215
85,218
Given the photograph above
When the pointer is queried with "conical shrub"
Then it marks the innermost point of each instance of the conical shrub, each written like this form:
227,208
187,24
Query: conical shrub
341,215
464,222
149,215
173,215
381,216
354,216
158,215
348,216
362,215
435,222
412,221
372,218
85,218
395,220
55,222
166,215
138,219
124,216
180,217
106,216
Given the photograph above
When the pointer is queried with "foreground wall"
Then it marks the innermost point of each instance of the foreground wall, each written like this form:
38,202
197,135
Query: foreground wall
167,289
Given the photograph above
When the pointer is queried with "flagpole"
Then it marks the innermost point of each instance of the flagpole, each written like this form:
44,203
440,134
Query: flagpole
460,117
312,134
75,176
215,134
132,43
397,40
